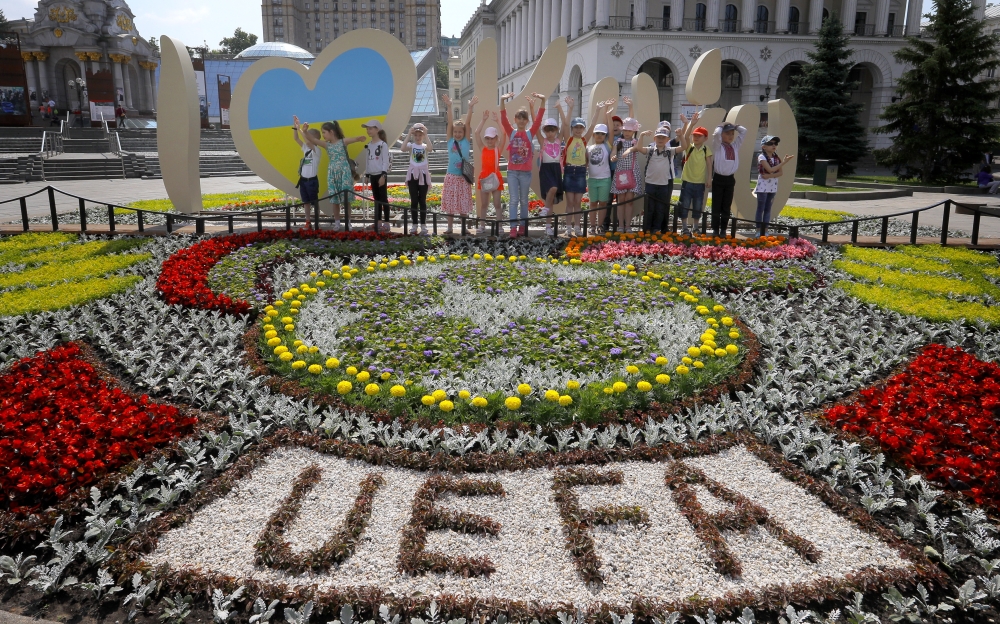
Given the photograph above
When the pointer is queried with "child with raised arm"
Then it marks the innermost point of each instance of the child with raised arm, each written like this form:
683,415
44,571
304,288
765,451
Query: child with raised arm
696,176
520,158
456,197
308,183
769,169
726,142
659,176
575,158
616,125
377,170
340,182
490,182
599,168
627,183
418,174
550,171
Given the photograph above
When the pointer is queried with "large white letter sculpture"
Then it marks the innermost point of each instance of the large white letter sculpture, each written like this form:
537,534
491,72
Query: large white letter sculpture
178,128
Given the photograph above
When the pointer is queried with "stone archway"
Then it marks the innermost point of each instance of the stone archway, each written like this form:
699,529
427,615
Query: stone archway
67,97
575,90
663,75
796,55
674,59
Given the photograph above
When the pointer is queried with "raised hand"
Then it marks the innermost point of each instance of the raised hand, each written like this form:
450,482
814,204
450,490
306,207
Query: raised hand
446,98
295,121
539,97
683,118
486,115
473,102
789,157
495,116
627,100
506,96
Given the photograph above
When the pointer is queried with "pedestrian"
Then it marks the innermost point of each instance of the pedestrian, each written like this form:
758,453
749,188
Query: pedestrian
120,115
456,197
377,164
659,177
769,169
726,142
520,158
339,176
627,183
418,174
696,175
490,183
308,183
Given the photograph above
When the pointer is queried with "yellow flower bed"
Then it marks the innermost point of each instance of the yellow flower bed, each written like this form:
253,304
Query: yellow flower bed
58,296
815,215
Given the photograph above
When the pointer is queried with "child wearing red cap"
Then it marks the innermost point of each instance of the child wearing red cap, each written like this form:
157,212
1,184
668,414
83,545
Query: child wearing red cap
696,176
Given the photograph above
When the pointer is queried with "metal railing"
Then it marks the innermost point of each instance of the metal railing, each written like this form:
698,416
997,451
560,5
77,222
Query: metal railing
897,31
694,24
763,27
657,23
620,22
795,28
52,143
729,26
864,30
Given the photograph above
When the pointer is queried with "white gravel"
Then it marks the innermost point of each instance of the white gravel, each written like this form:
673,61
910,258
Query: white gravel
662,560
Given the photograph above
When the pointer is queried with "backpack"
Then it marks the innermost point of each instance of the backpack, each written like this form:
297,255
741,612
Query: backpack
704,150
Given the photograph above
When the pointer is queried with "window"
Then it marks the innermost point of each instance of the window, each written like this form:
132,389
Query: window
793,20
456,73
731,77
307,5
891,26
421,11
826,14
699,16
279,21
421,21
276,11
666,17
458,93
762,15
421,31
421,41
861,27
730,23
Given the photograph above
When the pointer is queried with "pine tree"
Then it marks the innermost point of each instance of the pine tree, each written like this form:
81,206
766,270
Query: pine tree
943,123
3,21
829,127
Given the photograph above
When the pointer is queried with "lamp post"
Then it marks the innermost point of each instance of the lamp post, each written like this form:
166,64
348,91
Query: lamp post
80,85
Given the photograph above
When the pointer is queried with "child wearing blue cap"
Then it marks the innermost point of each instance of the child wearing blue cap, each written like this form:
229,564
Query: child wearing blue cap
769,166
575,158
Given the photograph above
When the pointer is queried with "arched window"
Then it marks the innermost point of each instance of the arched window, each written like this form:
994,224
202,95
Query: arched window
793,20
731,77
699,16
826,15
762,15
730,23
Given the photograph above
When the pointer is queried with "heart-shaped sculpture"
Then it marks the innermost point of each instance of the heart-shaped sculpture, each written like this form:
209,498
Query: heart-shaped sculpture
365,74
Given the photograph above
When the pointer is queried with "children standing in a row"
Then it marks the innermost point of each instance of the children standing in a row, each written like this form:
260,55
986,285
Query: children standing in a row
520,158
659,176
696,175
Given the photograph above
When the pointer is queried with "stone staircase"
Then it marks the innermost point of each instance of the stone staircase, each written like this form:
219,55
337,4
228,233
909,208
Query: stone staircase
96,168
20,169
209,165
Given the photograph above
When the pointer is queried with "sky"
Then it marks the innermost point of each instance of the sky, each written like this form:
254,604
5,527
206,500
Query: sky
195,21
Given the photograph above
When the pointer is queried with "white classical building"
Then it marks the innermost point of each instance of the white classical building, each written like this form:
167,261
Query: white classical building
763,42
68,38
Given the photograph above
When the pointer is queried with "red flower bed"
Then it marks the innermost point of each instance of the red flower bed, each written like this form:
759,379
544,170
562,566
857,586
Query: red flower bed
184,275
940,416
62,426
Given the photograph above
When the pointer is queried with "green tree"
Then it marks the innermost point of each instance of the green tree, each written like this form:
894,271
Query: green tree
442,75
238,42
155,45
828,122
3,20
942,123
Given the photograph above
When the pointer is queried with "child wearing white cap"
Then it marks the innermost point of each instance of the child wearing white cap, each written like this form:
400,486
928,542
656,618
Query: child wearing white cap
659,176
418,174
769,169
627,183
550,172
599,166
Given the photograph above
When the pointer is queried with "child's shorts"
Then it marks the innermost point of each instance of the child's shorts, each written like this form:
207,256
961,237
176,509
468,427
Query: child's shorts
550,176
575,179
692,197
309,190
599,190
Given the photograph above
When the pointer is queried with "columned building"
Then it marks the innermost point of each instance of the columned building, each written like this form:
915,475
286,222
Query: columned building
77,39
314,25
480,26
763,42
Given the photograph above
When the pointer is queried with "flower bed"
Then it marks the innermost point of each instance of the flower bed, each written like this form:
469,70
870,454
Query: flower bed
63,426
611,247
48,271
929,281
939,416
495,338
184,276
735,276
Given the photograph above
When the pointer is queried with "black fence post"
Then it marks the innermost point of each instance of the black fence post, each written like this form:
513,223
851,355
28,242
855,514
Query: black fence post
913,228
586,220
854,231
406,223
260,222
24,214
614,217
142,227
199,225
229,220
975,227
288,217
52,209
826,232
111,218
944,221
793,231
464,230
347,212
170,223
733,232
434,222
83,215
884,234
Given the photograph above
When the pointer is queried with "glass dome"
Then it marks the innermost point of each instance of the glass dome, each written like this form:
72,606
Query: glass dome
275,48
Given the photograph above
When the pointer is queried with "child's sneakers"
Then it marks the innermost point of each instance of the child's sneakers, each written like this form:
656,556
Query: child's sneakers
336,226
423,231
514,232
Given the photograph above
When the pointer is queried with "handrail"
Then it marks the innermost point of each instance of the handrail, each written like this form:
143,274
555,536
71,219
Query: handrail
495,223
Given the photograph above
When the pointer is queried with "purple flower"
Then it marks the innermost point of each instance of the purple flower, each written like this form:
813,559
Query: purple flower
428,353
359,339
616,351
434,372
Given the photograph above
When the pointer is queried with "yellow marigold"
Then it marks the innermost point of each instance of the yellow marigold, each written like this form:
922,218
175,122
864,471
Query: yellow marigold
446,406
734,334
551,395
302,349
372,389
728,322
439,395
280,350
694,351
364,376
644,386
269,327
632,370
351,370
707,350
301,297
327,272
512,403
344,387
287,295
683,370
427,400
661,361
332,363
394,263
619,387
295,304
385,376
290,327
720,353
524,389
297,343
718,308
565,400
699,364
397,391
286,320
270,334
273,342
687,360
573,385
286,356
609,390
299,364
662,379
313,349
477,256
711,321
479,402
732,349
315,369
464,394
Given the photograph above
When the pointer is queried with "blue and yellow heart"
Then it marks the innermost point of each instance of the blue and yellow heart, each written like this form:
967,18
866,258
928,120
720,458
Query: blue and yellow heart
355,87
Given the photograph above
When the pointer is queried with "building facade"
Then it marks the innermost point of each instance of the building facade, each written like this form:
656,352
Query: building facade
314,25
75,40
480,26
763,42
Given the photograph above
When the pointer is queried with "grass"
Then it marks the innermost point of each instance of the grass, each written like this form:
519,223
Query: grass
58,296
209,200
929,281
895,180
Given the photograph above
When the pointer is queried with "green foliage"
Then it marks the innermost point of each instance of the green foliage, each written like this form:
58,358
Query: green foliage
72,270
3,21
209,200
240,41
815,215
154,44
944,122
929,281
716,276
14,248
59,296
442,74
827,118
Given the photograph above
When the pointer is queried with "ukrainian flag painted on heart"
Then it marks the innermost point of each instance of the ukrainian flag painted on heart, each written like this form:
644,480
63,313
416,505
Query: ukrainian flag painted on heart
361,76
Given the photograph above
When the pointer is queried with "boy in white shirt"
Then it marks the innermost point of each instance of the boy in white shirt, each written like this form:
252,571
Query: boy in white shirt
308,184
659,177
726,142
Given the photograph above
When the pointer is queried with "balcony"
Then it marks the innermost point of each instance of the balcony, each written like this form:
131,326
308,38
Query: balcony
694,24
763,28
798,28
864,30
620,22
657,23
897,31
730,26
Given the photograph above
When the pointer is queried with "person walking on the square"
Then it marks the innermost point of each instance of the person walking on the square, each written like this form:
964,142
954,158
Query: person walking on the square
726,142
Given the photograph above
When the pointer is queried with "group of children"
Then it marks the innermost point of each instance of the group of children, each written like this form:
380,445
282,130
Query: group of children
574,158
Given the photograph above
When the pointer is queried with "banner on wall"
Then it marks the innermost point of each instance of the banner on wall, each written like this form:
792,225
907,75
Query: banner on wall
101,93
15,109
225,99
201,85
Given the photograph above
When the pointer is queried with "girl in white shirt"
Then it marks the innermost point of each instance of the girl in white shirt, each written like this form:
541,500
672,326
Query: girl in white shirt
377,170
418,174
769,166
